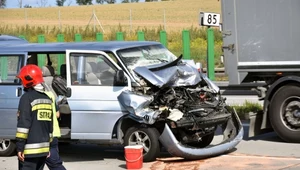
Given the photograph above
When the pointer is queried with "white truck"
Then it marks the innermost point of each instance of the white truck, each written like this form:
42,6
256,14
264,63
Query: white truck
261,41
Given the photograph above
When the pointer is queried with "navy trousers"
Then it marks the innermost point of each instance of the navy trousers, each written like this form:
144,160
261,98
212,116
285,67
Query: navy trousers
54,162
32,163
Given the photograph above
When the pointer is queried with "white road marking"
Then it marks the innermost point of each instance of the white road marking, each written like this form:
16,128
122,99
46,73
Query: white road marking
261,157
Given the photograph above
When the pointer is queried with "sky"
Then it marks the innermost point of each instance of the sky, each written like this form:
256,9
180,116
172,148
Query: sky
33,3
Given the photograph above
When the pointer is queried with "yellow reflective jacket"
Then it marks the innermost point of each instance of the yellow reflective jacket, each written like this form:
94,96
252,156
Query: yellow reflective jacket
56,129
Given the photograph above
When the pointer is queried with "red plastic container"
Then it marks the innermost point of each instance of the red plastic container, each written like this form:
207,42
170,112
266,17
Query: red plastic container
134,156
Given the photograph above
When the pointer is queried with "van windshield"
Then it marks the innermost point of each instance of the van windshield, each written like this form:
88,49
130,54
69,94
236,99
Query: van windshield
145,56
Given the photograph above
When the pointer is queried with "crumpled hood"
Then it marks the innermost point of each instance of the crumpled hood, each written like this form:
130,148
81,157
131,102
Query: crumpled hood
173,74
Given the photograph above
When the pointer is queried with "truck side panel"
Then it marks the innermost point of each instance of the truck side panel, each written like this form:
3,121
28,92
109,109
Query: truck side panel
265,37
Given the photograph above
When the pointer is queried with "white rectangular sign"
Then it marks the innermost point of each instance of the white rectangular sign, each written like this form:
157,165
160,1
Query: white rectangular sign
210,19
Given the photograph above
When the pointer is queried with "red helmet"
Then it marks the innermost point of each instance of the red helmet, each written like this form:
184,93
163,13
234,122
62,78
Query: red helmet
30,75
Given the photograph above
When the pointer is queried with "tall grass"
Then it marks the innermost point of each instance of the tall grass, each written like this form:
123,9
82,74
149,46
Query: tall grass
246,108
198,36
174,15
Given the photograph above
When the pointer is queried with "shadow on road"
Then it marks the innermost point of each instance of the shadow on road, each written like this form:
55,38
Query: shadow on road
268,136
123,166
75,152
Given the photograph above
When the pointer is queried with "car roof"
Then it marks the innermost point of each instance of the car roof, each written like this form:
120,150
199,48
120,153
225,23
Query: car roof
56,47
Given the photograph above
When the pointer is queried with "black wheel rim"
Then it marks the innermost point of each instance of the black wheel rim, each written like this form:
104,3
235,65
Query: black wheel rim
140,138
290,109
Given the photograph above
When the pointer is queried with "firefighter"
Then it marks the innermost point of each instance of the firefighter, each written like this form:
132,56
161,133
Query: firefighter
35,120
54,161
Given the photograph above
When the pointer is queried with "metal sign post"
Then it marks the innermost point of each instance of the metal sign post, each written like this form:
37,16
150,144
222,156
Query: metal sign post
210,20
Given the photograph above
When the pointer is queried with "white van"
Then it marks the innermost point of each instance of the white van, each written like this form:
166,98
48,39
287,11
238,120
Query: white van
122,92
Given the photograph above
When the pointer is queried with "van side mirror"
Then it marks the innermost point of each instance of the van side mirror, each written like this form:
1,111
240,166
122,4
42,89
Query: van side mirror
120,78
69,92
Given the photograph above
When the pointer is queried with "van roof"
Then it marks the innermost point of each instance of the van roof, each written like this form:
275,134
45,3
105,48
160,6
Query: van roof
9,39
57,47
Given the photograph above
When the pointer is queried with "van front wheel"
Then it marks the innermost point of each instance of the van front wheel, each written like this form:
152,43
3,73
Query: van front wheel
147,137
7,147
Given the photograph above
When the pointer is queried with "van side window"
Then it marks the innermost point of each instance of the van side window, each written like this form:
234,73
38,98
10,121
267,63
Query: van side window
91,69
9,68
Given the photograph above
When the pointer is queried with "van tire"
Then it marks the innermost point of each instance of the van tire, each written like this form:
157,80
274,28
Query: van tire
281,119
7,147
150,135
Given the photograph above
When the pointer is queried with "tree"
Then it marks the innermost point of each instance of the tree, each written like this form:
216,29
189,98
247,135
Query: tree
128,1
27,6
110,1
2,3
41,3
60,2
100,1
20,3
84,2
69,2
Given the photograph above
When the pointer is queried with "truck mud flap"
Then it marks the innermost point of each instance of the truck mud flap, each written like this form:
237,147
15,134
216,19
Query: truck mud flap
232,134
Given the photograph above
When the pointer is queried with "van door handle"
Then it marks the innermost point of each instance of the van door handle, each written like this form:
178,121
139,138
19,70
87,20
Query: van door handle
19,92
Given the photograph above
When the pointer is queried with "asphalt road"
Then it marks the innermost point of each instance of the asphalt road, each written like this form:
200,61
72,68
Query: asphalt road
263,152
241,99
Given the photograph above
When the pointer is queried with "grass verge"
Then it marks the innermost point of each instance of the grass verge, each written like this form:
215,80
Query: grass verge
247,107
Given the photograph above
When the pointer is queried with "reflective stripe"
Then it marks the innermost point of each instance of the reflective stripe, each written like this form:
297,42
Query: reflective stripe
22,135
40,101
22,130
42,106
268,63
37,145
36,151
51,137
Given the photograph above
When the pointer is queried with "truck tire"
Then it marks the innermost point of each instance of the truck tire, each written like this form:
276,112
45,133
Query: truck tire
7,147
145,136
284,106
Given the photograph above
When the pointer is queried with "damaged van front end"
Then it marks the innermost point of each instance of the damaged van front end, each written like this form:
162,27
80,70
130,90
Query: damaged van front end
185,107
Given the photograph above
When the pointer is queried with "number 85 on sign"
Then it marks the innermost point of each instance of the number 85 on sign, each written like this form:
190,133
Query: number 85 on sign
209,19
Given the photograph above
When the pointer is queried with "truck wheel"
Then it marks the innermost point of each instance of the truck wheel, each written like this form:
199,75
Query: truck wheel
285,113
7,147
147,137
